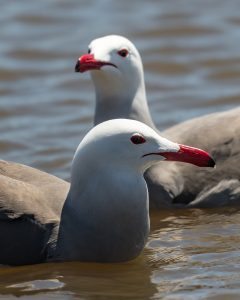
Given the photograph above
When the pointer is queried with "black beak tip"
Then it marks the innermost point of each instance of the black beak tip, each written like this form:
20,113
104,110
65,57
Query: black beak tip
211,163
77,67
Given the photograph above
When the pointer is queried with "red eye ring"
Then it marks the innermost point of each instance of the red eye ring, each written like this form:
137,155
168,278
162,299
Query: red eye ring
123,52
137,138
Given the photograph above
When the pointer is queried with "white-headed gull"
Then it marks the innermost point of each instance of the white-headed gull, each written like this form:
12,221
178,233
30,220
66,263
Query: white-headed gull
117,73
105,217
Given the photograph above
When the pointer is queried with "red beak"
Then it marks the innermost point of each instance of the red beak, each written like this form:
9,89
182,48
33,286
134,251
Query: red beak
87,62
189,155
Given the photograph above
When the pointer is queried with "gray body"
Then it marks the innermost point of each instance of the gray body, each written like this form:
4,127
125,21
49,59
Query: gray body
182,184
30,206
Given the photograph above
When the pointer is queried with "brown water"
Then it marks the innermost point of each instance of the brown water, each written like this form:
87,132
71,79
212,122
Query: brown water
190,51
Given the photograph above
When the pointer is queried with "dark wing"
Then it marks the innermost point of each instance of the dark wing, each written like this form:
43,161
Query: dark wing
30,206
219,134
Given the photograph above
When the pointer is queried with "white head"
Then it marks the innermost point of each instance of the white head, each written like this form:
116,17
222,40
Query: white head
131,144
117,73
118,61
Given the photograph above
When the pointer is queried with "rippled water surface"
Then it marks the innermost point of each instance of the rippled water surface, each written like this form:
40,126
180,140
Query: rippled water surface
190,51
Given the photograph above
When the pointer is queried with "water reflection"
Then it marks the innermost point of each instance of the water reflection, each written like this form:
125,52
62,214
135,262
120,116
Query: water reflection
190,51
109,281
196,251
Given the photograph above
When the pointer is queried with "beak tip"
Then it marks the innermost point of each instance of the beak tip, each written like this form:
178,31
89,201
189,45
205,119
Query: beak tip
77,67
211,163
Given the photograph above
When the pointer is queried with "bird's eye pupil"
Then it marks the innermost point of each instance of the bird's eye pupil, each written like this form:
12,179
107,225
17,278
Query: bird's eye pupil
89,50
123,52
137,139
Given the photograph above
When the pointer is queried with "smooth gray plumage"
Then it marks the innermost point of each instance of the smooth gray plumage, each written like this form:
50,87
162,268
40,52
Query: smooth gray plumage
30,205
120,92
218,133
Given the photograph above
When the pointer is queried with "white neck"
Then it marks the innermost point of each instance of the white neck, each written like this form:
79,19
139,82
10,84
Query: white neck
104,224
119,98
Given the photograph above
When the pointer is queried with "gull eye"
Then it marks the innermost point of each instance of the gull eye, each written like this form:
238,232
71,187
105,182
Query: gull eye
137,138
89,51
123,52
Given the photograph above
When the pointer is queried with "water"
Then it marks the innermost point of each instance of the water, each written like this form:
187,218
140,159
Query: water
190,51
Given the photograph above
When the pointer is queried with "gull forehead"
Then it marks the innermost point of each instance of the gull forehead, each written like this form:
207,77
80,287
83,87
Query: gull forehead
112,42
117,131
125,126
